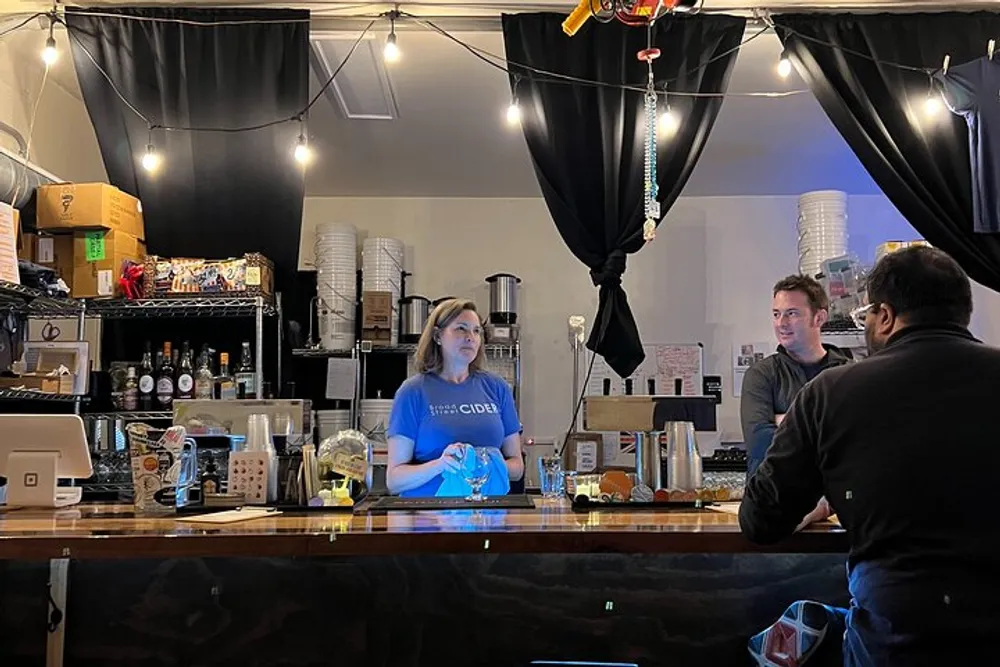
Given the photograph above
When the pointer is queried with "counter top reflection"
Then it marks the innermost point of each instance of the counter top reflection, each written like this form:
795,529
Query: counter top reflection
115,531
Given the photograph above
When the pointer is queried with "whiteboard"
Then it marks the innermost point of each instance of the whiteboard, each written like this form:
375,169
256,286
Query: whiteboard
664,363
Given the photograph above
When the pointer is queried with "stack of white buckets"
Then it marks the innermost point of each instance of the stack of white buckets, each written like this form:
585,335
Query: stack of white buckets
822,229
381,271
336,284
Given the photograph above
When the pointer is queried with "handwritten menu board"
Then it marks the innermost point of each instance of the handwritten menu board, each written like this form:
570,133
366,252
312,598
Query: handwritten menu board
8,245
665,365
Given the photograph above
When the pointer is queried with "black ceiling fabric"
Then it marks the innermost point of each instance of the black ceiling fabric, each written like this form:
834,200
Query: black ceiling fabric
587,141
216,194
922,167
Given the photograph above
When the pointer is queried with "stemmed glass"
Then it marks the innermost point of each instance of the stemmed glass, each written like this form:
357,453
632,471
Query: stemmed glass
477,472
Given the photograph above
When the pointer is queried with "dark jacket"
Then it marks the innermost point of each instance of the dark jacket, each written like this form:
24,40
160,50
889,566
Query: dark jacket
768,389
904,446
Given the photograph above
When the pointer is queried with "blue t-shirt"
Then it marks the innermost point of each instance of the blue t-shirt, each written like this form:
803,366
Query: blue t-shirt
434,413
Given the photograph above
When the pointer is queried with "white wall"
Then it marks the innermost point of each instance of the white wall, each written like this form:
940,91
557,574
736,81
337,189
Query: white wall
707,277
62,140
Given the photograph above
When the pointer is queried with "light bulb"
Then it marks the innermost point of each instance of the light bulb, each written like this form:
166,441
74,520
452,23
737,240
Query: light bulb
151,160
932,105
784,67
669,123
50,54
391,52
513,114
303,154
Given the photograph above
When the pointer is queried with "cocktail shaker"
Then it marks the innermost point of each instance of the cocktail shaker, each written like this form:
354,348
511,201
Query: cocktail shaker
683,459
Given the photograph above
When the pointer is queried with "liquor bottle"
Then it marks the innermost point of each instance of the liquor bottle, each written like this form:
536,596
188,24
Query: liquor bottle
210,481
131,398
165,380
147,385
225,384
246,374
185,373
203,379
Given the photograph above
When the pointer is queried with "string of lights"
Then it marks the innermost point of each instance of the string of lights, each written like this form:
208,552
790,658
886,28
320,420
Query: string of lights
392,53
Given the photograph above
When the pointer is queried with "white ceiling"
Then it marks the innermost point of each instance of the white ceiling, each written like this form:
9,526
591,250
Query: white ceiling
449,137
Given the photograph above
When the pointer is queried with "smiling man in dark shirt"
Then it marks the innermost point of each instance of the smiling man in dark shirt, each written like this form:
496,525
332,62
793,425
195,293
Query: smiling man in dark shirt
799,309
900,444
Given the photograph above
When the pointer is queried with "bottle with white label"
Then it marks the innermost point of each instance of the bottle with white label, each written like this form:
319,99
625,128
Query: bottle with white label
131,394
225,384
185,373
147,385
165,380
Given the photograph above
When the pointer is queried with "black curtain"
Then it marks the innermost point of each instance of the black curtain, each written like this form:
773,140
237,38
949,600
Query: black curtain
216,194
921,166
587,142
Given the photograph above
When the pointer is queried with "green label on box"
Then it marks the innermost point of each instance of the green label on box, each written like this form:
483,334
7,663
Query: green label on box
95,246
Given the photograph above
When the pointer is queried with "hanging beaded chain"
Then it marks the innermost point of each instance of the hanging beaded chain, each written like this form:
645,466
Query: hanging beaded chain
650,189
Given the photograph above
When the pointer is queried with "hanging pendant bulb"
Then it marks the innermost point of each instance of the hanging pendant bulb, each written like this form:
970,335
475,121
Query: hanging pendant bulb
50,54
303,154
392,52
151,159
513,114
933,105
669,123
784,66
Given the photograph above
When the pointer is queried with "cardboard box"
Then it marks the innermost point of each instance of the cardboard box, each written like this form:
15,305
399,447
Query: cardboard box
56,253
97,261
47,384
77,206
27,246
376,318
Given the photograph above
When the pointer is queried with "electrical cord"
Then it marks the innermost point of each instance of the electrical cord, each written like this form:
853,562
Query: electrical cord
247,128
55,614
579,403
491,59
20,25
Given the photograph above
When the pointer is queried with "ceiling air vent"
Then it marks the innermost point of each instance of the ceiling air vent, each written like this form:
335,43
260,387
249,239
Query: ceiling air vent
362,89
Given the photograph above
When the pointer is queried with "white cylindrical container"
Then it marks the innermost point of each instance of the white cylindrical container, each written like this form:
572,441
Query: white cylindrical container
822,229
382,261
336,252
373,420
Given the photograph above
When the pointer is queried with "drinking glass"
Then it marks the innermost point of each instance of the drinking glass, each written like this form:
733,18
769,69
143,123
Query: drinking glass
477,473
550,476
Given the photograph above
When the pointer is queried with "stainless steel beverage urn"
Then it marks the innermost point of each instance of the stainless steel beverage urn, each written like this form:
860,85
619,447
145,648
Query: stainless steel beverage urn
503,298
413,313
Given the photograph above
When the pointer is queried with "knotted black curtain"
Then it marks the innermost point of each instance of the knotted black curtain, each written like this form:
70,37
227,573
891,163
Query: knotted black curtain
922,165
587,141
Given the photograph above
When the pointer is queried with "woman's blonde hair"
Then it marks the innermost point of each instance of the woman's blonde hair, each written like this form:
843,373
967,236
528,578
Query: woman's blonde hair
429,357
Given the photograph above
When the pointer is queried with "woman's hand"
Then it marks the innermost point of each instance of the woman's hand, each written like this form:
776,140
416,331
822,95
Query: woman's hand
451,458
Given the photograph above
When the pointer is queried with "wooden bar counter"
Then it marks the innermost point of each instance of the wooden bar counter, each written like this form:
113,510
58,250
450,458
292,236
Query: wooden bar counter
500,588
114,531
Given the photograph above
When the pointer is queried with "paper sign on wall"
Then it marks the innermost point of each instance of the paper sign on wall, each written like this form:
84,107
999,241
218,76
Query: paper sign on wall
46,250
8,245
95,246
744,356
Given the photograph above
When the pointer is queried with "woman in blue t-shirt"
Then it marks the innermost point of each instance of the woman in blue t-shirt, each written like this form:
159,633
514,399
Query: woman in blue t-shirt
449,404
